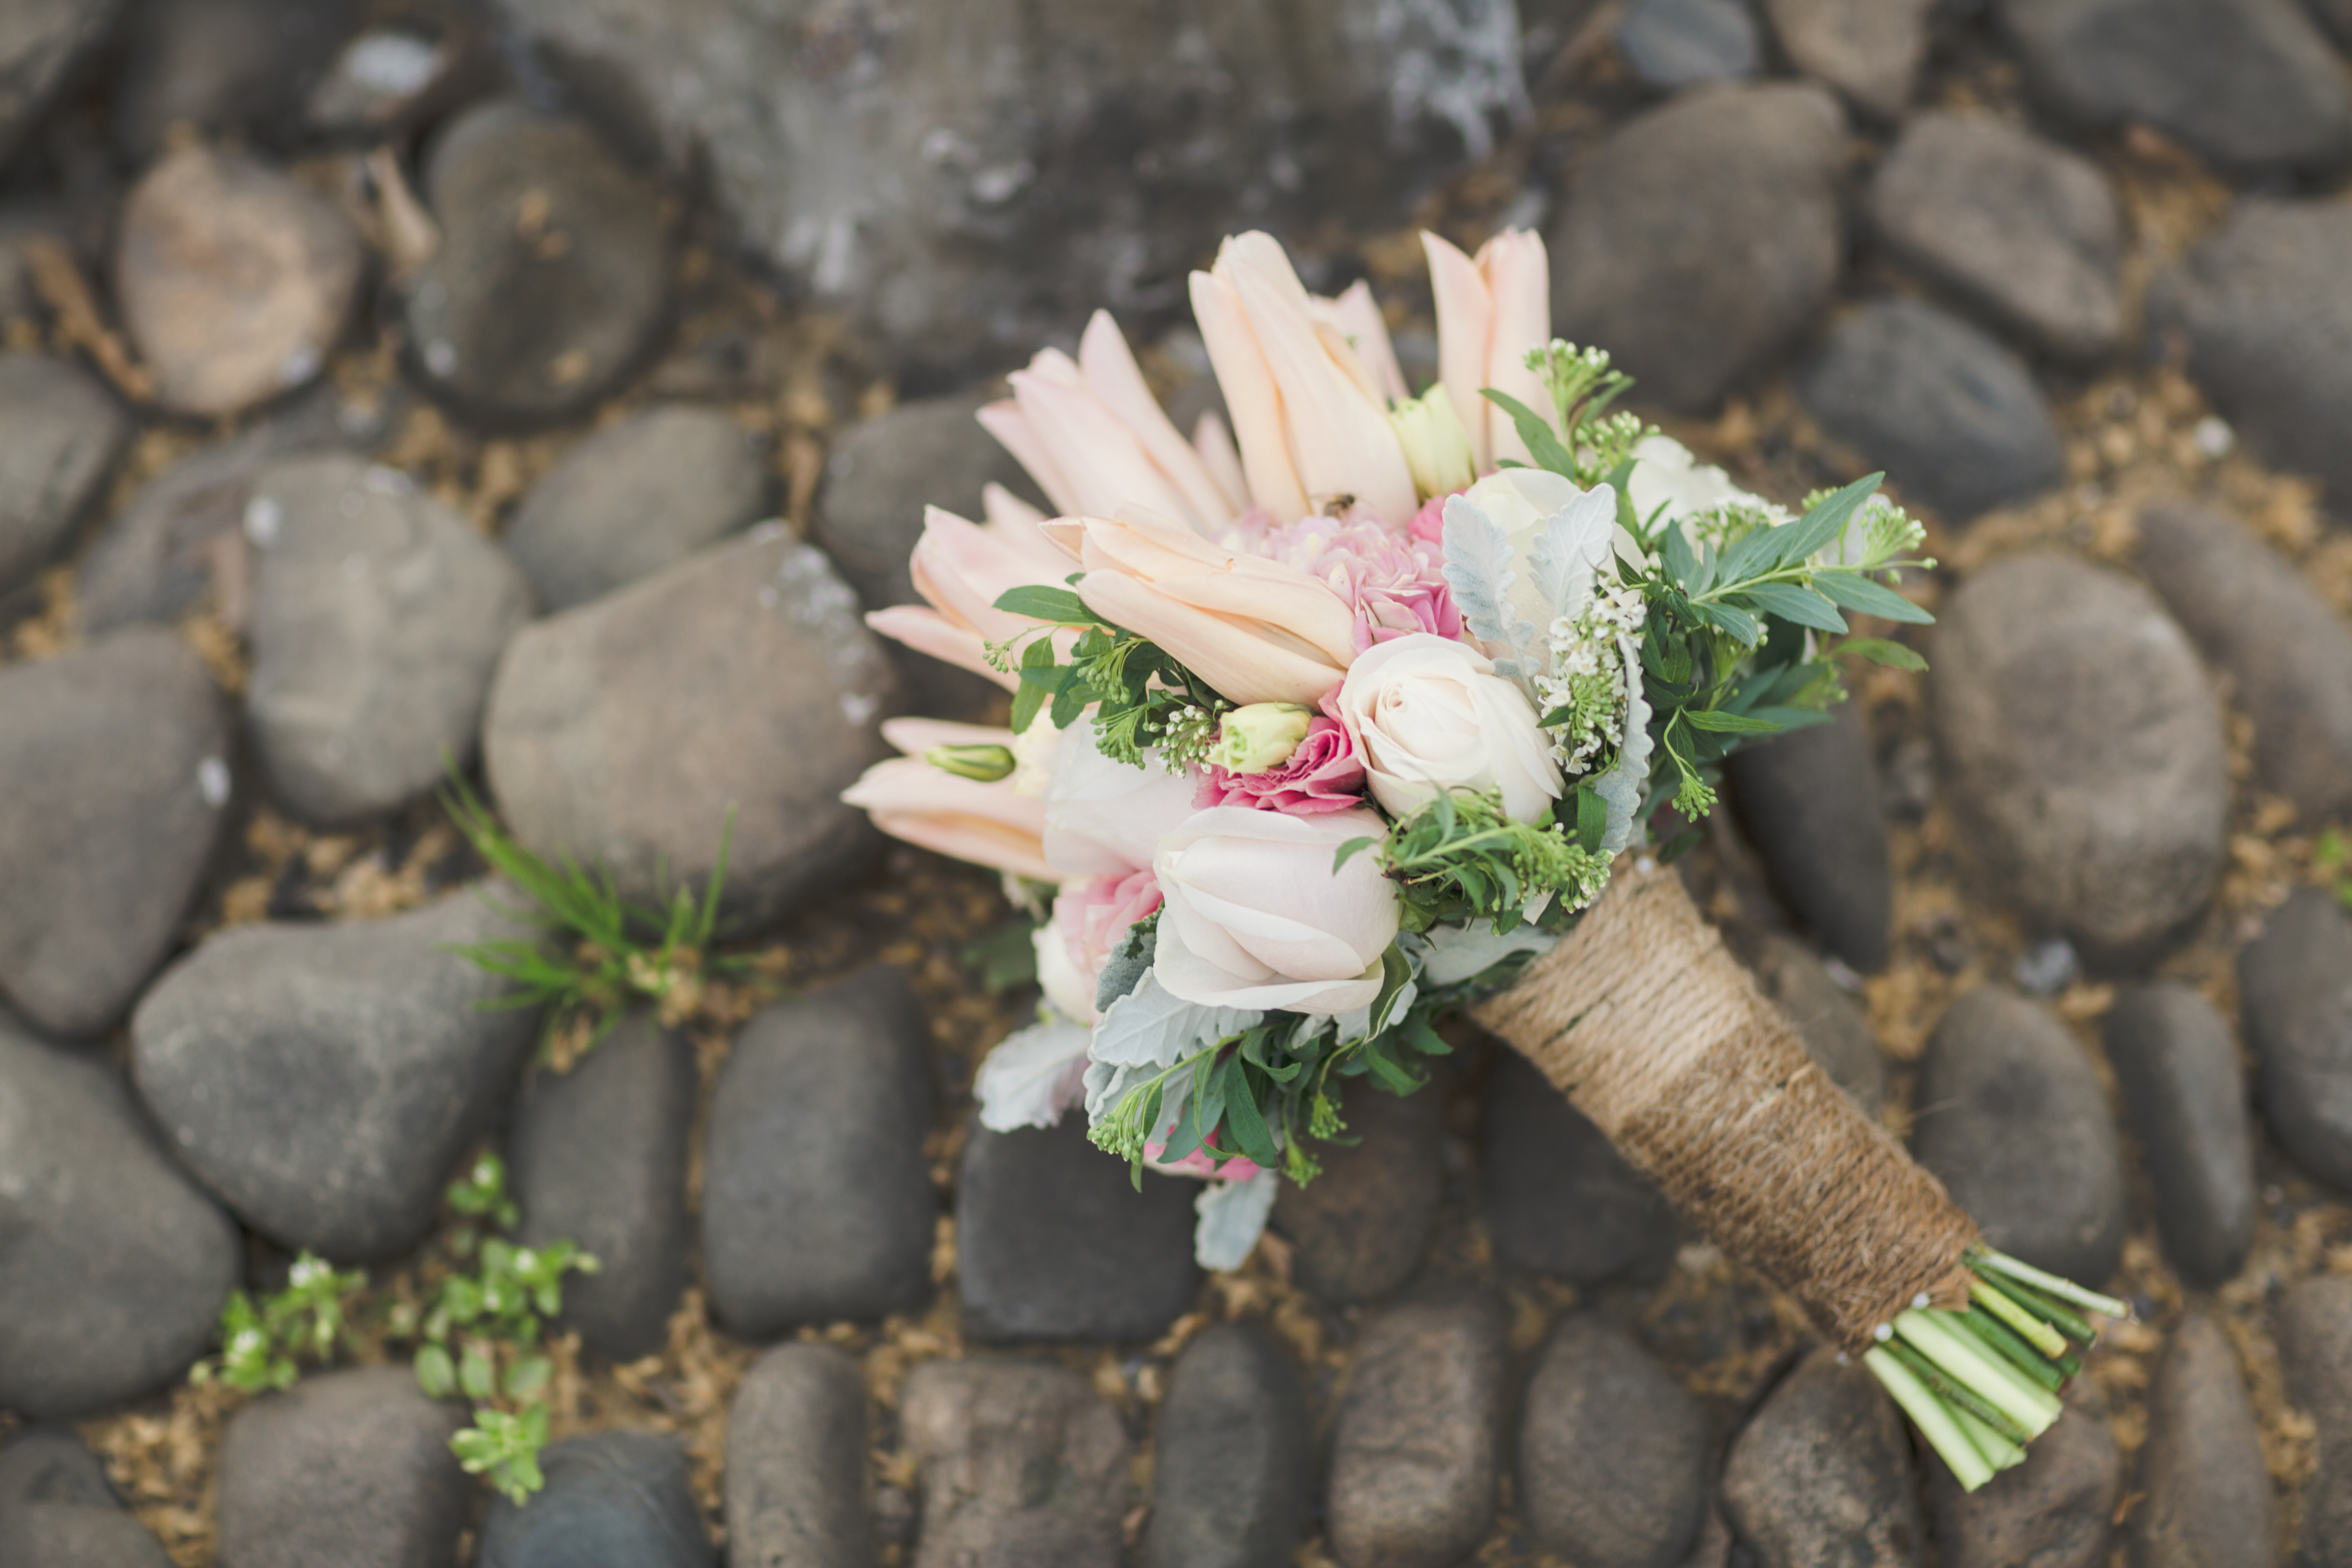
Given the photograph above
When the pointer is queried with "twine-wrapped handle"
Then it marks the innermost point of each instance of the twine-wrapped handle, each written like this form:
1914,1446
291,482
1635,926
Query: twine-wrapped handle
1659,1036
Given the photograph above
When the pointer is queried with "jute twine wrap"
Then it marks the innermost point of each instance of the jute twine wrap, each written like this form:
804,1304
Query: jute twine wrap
1657,1034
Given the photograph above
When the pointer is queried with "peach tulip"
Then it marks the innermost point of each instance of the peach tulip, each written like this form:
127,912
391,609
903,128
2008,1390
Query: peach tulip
1492,312
1255,629
961,568
1093,437
1308,407
991,825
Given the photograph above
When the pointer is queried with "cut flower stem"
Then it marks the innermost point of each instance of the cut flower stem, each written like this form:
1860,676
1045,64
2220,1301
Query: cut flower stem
1982,1382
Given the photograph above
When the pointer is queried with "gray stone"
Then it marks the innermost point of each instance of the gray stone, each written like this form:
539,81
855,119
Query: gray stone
817,1202
1233,1455
62,435
2335,17
1821,1474
1054,1242
636,497
2295,992
1363,1226
552,276
2312,1321
796,1462
235,279
1674,43
1808,802
41,44
2287,652
2019,228
1833,1026
116,1266
869,512
49,1465
2248,85
2265,308
1613,1452
1953,415
2082,750
1557,1197
324,1080
349,1468
2185,1097
613,1500
392,76
378,618
970,178
621,733
2013,1119
1417,1444
1869,50
58,1510
1702,238
181,545
114,773
2206,1495
1022,1463
221,65
598,1157
2056,1511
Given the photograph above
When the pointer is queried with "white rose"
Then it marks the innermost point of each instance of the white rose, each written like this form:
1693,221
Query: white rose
1429,713
1255,917
1069,988
1104,817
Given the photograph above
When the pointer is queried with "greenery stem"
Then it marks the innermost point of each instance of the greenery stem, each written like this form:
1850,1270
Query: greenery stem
2028,1327
1962,1400
2031,1407
1934,1418
2024,1357
2049,1284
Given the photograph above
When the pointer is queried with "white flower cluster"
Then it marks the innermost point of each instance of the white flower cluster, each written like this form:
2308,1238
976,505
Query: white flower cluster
1589,677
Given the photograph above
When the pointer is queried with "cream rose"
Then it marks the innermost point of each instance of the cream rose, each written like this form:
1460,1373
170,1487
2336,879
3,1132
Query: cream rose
1429,713
1255,917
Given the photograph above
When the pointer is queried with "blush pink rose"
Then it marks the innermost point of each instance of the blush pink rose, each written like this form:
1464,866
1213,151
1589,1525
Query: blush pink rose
1392,584
1323,774
1091,914
1428,525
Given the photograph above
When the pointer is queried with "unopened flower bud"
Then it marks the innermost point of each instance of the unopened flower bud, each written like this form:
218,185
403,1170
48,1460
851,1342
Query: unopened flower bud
1436,447
1259,736
985,764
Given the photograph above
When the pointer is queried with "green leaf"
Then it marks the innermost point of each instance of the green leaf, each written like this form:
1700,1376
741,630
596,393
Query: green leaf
1592,819
1006,957
1042,603
1791,717
1728,618
527,1376
1727,723
1396,973
1858,593
1534,430
1817,528
436,1374
1680,561
1878,650
1790,602
1028,698
475,1375
1248,1124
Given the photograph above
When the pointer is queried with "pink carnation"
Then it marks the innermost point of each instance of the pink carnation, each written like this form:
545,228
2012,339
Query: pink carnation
1428,525
1323,774
1392,583
1092,914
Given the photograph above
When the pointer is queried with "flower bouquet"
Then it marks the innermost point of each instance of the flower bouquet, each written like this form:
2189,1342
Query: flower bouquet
1363,710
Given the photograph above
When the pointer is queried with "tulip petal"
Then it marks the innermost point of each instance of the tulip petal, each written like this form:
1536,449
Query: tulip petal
1238,663
926,631
1358,314
1251,396
1215,445
1101,462
1466,322
1004,420
1113,376
1518,281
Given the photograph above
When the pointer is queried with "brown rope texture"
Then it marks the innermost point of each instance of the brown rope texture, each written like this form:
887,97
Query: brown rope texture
1657,1034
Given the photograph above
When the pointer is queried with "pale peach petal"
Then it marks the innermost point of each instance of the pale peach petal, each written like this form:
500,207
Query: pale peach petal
1466,322
1112,375
1518,281
1101,460
929,632
1250,397
1016,523
1358,314
914,736
987,823
1238,663
1341,443
1004,420
1215,445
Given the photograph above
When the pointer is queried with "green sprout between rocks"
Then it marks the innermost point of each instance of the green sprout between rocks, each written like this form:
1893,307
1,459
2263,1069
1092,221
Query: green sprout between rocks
599,952
1982,1383
2332,856
479,1335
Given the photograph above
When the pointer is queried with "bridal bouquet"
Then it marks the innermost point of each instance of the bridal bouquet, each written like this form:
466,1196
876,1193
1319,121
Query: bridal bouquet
1364,711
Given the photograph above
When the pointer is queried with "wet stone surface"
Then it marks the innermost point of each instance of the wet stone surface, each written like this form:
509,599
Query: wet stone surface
2208,1493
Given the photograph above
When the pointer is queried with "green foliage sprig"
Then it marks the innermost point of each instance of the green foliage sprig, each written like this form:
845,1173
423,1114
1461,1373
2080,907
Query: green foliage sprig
1462,859
2332,856
1146,698
262,1343
598,952
481,1332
